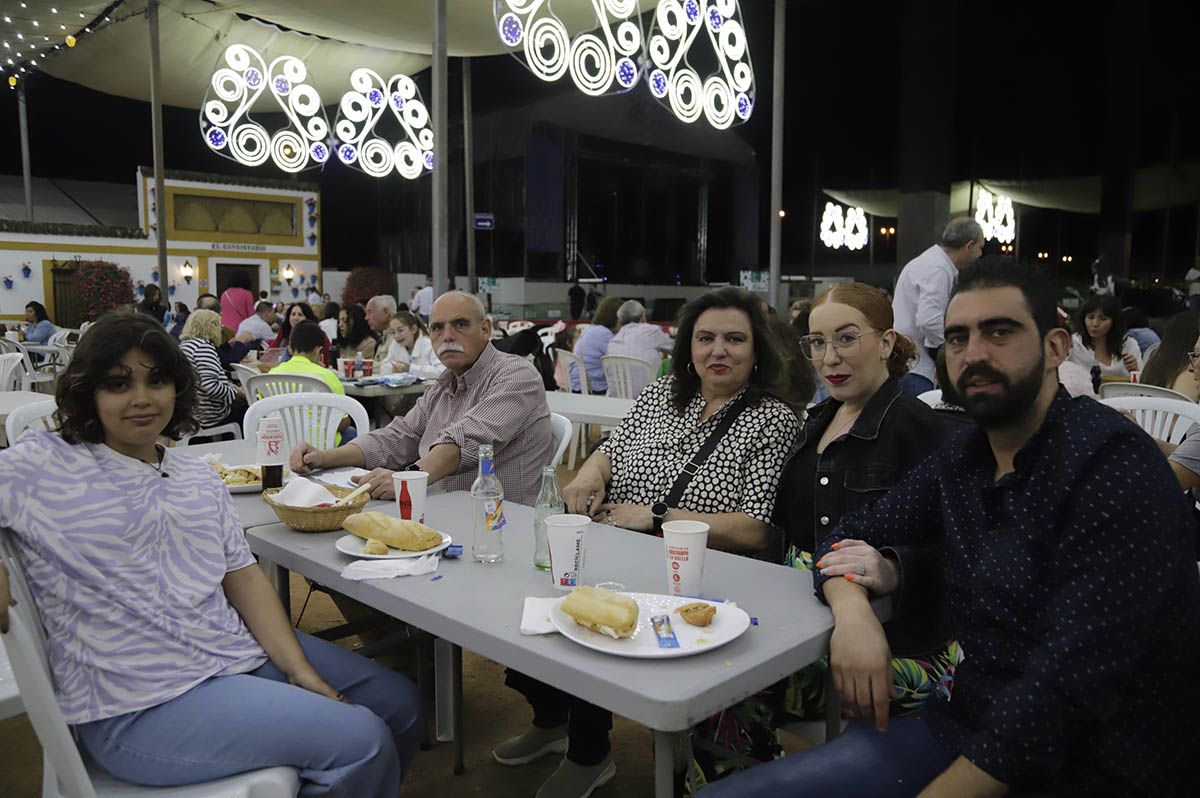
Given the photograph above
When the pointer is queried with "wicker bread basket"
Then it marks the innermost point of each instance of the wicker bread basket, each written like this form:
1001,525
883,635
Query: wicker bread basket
316,519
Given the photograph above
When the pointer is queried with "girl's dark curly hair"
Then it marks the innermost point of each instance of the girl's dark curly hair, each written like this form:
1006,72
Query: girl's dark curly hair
99,351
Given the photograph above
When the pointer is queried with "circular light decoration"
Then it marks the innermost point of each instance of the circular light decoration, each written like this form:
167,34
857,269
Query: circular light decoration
360,111
237,85
996,216
726,96
603,60
844,227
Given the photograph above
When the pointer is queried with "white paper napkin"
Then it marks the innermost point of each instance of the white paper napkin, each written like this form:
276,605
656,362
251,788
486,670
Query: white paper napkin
302,492
535,618
341,476
386,569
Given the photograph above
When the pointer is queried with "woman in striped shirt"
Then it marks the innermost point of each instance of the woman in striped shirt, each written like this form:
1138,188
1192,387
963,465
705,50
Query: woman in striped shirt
172,657
219,400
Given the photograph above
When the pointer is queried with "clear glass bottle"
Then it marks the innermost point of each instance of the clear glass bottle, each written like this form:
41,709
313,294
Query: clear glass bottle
549,502
487,496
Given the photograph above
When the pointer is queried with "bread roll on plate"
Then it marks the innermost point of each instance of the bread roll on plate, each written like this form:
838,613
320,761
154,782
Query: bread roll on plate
403,535
602,611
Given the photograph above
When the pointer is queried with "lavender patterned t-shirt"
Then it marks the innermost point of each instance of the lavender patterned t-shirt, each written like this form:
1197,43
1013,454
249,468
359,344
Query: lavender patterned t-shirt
126,566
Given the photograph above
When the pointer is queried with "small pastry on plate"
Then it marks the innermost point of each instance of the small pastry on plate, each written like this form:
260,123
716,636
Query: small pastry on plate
697,613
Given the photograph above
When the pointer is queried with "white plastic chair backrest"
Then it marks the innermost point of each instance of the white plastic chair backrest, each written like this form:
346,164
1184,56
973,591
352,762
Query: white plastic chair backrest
25,417
244,373
1163,419
13,376
579,372
626,376
1109,390
515,327
932,398
561,436
262,386
547,335
61,337
1150,350
310,418
7,346
25,644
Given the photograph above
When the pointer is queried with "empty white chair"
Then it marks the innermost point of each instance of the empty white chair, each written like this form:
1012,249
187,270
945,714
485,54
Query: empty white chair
515,327
311,418
243,373
21,419
262,386
1163,419
1108,390
932,398
626,376
561,426
13,376
569,360
64,774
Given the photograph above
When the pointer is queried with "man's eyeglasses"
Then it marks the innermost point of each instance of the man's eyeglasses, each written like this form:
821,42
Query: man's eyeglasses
845,344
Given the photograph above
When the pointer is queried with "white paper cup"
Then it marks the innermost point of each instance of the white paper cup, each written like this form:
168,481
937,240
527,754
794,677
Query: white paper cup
568,554
684,543
411,487
346,367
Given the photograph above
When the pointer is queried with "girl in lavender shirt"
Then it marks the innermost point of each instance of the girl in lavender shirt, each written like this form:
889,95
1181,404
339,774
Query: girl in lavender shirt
172,656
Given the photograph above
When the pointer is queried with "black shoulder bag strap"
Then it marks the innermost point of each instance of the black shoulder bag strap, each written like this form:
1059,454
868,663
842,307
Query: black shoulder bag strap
693,466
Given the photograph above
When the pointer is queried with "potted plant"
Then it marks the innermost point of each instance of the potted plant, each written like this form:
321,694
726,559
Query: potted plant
8,282
26,270
103,286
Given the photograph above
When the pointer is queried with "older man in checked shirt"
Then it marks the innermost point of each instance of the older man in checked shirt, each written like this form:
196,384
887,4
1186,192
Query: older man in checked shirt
485,396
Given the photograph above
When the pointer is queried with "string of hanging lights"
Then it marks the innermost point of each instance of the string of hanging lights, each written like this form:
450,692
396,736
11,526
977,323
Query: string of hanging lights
34,31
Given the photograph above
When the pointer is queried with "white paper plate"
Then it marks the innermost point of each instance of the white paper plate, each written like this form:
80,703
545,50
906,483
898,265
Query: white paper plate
353,545
250,487
728,624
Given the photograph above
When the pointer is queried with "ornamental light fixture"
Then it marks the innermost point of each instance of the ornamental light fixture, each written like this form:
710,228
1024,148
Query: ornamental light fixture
726,96
844,227
187,272
289,273
360,111
995,215
601,61
225,118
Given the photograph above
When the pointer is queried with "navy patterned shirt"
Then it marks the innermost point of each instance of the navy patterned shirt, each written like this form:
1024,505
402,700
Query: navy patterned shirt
1072,587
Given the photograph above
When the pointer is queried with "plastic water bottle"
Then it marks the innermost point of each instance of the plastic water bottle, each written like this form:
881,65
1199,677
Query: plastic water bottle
358,364
487,496
549,502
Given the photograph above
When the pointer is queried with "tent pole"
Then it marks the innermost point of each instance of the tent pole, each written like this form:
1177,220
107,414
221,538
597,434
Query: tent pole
160,198
777,153
441,150
26,171
469,174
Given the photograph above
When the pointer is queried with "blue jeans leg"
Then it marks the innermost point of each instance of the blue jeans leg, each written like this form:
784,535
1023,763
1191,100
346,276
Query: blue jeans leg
861,763
232,724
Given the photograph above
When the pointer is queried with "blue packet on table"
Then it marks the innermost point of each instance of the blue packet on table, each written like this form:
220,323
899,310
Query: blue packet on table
664,632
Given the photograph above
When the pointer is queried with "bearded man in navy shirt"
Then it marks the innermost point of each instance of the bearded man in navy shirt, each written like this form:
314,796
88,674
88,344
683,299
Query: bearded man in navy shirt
1065,557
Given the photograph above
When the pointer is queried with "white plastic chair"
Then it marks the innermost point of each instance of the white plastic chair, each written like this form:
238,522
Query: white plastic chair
568,359
263,386
232,428
515,327
311,418
561,426
13,376
25,417
243,373
1163,419
64,774
932,398
1109,390
626,376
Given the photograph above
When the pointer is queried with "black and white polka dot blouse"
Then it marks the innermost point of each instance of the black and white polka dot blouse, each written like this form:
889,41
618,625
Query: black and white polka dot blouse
654,442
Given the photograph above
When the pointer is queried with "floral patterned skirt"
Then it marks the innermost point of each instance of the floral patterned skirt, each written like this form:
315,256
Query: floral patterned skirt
750,728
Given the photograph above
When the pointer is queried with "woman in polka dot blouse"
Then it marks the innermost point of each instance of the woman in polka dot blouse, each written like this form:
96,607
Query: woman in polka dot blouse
726,349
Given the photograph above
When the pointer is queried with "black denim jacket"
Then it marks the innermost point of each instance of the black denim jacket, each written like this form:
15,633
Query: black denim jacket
894,433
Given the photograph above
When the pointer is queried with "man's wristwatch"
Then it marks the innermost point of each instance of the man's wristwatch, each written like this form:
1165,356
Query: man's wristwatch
659,511
411,467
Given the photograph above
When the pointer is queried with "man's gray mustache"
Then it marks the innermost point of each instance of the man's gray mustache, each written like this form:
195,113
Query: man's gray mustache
450,346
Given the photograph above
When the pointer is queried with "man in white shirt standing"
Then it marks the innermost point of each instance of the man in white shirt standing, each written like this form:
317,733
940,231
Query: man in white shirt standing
637,338
423,302
923,293
259,325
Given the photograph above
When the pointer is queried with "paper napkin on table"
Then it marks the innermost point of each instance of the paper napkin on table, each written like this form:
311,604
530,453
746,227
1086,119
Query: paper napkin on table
386,569
302,492
535,618
341,476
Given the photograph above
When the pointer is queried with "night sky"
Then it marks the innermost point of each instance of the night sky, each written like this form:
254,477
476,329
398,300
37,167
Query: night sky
1029,103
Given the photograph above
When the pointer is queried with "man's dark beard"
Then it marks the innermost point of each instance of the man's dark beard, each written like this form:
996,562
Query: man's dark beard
991,411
